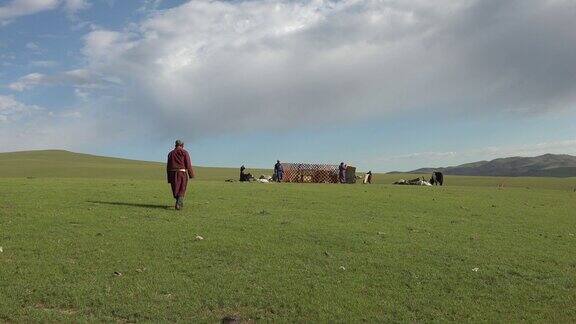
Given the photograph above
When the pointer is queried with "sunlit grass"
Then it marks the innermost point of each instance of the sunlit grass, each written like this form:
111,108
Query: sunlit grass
114,250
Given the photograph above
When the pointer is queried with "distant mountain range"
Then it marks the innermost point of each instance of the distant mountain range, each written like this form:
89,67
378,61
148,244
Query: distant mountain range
547,165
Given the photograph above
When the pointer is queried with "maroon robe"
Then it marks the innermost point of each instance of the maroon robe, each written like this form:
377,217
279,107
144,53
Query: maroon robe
178,160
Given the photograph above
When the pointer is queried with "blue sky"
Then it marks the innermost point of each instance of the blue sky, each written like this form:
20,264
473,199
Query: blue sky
383,85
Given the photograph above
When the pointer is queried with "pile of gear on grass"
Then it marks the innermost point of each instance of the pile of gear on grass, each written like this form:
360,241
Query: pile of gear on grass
307,173
436,179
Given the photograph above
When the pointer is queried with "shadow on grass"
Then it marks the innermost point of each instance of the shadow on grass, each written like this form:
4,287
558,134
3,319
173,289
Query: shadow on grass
117,203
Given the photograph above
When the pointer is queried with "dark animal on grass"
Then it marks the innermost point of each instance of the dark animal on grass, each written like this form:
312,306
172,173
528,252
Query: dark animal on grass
231,320
437,178
245,176
414,181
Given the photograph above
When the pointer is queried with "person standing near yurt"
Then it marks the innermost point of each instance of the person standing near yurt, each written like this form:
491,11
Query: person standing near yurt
342,172
367,178
278,171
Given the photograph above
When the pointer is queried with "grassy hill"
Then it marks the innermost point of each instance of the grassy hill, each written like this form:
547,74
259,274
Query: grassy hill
65,164
547,165
77,245
115,251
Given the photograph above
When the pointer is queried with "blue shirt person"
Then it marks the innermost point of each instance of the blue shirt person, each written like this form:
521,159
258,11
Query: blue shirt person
278,171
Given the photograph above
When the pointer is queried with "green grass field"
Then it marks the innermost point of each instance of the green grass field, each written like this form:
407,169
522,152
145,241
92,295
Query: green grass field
78,246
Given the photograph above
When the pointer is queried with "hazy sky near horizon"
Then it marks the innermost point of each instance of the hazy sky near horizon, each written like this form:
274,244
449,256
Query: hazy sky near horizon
380,84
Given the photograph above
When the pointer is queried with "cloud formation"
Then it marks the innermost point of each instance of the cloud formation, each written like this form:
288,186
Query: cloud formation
24,126
18,8
208,67
79,78
73,6
12,110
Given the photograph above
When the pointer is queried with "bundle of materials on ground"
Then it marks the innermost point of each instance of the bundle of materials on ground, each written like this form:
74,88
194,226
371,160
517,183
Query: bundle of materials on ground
315,173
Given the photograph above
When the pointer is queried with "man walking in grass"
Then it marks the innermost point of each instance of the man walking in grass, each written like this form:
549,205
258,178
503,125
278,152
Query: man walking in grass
178,170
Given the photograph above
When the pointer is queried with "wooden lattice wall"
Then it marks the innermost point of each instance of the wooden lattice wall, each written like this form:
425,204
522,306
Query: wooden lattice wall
314,173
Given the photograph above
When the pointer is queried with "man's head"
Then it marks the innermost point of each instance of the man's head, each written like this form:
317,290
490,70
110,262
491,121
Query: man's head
179,143
277,161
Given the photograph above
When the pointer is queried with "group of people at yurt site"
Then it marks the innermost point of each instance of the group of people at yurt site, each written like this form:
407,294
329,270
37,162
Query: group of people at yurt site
179,170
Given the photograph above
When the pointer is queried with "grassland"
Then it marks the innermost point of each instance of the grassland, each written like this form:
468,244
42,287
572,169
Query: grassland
90,248
62,164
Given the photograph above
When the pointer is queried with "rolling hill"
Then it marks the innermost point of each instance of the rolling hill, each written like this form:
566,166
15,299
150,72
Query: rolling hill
65,164
547,165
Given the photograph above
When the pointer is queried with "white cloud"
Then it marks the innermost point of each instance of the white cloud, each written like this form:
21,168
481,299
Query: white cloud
32,46
100,45
81,78
49,132
12,110
81,94
73,6
28,81
24,126
208,67
17,8
150,5
43,63
71,114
